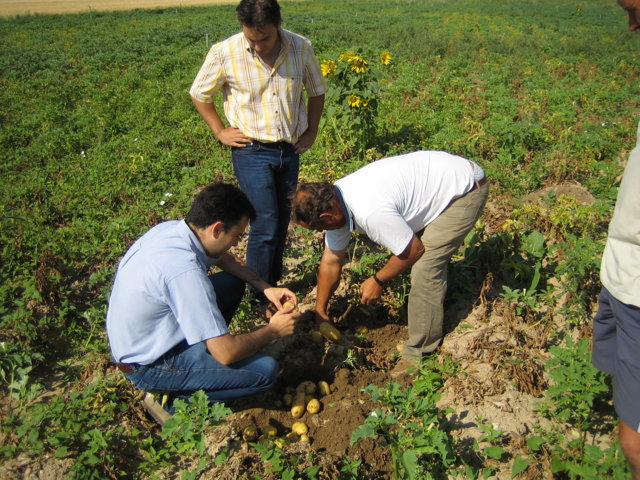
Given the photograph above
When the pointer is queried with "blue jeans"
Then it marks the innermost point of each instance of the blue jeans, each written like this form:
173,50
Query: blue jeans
268,175
186,369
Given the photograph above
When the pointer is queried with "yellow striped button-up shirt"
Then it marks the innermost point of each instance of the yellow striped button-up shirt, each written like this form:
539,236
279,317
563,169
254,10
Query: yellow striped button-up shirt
266,104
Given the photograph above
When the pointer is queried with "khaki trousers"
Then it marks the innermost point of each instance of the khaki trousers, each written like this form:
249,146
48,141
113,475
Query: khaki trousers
441,238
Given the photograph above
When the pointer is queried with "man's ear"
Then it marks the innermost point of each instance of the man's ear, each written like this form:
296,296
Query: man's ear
326,216
216,229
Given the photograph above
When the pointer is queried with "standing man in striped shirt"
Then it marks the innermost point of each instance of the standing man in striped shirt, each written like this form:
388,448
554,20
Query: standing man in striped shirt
262,73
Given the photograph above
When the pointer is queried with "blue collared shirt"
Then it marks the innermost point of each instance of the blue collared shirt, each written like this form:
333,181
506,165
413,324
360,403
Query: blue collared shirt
162,295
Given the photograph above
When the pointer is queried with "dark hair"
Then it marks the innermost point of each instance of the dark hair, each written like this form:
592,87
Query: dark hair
311,200
258,13
220,202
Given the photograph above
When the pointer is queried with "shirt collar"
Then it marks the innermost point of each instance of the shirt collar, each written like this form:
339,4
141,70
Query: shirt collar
346,211
205,260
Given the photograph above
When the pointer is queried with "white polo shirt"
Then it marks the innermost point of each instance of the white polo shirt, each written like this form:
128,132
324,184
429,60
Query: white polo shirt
392,198
162,295
620,272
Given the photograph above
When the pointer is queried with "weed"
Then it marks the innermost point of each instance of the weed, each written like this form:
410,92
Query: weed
411,425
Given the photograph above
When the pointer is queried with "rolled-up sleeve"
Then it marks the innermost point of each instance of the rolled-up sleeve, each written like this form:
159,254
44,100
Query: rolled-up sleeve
314,82
210,78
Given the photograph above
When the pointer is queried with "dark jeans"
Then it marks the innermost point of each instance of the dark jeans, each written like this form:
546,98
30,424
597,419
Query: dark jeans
268,175
187,368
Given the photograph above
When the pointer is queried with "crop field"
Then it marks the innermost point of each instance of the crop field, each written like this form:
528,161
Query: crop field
100,141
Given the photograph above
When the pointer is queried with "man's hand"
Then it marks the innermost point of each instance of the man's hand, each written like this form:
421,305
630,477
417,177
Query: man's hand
370,292
233,137
278,296
284,322
305,142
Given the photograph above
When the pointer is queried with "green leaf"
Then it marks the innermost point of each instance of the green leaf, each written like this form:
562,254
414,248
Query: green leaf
367,430
534,244
409,460
557,464
61,452
534,443
494,452
520,464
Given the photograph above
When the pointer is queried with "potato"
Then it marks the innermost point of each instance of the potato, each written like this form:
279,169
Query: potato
250,433
307,387
299,428
329,331
314,405
361,329
270,431
323,388
289,304
287,399
292,437
317,337
299,405
304,438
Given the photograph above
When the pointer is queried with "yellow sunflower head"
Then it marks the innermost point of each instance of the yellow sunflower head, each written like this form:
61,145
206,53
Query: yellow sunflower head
355,101
346,56
385,57
358,64
328,67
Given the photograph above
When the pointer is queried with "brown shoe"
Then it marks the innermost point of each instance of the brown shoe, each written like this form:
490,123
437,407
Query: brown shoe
405,366
154,409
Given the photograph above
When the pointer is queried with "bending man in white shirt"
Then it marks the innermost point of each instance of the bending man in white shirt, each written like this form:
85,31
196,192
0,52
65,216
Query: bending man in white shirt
420,206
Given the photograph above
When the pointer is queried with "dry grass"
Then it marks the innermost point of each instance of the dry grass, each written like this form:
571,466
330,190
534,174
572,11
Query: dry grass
26,7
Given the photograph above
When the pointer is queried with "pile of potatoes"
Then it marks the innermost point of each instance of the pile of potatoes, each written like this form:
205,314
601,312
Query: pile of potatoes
301,399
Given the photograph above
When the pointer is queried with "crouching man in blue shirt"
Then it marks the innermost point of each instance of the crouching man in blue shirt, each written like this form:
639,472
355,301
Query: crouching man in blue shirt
167,317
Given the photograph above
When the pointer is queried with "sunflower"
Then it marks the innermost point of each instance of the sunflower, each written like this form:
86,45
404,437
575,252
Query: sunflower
385,57
328,67
355,101
358,64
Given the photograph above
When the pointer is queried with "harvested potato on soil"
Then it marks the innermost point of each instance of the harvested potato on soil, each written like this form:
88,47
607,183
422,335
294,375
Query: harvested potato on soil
270,431
307,387
323,388
317,337
329,331
292,437
299,405
314,406
287,399
249,434
299,428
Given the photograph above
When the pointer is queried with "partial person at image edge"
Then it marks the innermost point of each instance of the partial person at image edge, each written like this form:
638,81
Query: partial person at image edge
616,325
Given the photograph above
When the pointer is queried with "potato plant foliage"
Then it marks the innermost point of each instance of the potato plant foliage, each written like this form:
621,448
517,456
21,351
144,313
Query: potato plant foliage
100,141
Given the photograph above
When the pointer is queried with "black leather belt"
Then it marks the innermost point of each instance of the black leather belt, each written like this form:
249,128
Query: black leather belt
274,144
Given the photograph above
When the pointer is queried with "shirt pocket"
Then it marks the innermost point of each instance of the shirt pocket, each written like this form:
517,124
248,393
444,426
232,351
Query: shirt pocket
291,86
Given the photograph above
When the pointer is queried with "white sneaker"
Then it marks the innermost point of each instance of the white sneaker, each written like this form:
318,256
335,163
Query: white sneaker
154,409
